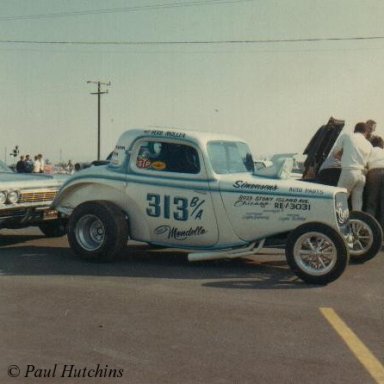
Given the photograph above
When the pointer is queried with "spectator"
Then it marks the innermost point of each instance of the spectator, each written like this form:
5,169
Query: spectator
371,128
374,187
38,165
329,172
70,167
20,165
353,149
42,162
28,164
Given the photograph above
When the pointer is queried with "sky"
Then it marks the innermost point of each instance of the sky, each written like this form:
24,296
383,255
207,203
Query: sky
269,71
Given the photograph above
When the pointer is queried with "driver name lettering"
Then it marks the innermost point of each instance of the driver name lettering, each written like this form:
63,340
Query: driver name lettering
166,133
178,234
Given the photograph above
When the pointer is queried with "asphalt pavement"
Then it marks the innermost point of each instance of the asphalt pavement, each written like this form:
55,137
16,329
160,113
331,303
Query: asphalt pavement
153,317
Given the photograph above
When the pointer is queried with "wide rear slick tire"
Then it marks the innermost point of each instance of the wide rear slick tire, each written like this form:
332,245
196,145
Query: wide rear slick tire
316,253
367,237
97,231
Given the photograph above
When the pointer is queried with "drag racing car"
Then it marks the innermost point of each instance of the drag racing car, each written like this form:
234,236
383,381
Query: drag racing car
200,192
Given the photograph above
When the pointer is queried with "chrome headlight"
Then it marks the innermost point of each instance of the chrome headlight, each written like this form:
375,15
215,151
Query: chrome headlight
3,197
13,197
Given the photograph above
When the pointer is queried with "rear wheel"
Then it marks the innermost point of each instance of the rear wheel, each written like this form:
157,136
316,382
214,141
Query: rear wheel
316,253
97,231
367,236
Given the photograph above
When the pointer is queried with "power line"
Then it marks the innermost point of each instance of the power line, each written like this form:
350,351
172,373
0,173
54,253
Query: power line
195,42
122,9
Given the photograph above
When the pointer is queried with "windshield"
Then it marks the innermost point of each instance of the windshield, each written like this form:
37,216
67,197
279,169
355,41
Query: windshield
4,168
230,157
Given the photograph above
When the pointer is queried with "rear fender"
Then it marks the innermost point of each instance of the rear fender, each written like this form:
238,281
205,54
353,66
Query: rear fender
73,195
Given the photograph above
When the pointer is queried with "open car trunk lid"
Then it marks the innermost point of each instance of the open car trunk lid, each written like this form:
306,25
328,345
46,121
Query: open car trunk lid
320,146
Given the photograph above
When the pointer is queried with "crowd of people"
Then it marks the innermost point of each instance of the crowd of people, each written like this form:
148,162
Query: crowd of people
356,162
27,165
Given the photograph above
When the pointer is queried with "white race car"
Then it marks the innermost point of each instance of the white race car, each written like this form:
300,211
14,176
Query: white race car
199,191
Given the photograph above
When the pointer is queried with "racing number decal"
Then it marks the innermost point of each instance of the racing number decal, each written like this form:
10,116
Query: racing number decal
181,208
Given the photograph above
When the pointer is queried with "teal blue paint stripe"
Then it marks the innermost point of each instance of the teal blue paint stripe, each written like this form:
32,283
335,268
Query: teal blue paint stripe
155,183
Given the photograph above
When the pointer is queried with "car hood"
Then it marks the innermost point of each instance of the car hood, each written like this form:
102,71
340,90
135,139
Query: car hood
26,180
320,146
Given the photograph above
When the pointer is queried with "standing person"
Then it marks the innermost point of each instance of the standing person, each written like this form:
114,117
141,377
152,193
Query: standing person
374,187
28,164
20,165
329,172
36,164
354,150
69,167
371,128
42,162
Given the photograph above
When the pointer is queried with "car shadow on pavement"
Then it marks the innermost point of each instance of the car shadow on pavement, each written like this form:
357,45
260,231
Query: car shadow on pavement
10,240
267,271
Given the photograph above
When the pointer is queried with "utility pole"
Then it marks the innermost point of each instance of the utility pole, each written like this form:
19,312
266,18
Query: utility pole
98,93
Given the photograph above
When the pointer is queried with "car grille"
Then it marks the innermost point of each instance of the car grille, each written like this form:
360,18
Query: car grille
37,197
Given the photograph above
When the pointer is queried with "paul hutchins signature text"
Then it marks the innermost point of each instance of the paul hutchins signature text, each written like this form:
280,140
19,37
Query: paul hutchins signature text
65,371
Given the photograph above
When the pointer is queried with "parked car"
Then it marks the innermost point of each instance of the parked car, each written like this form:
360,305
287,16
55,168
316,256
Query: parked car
199,191
26,198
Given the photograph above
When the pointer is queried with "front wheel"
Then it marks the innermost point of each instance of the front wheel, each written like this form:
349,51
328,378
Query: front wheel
97,231
367,237
316,253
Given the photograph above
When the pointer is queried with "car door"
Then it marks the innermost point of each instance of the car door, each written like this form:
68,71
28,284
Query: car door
168,181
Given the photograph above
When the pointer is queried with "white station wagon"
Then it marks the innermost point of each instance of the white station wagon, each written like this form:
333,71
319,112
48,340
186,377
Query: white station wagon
199,191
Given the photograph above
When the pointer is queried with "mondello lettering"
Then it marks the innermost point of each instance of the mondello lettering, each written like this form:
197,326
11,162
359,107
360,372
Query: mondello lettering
177,234
240,184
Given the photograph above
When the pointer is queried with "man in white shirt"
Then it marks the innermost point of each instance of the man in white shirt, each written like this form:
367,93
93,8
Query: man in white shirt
354,150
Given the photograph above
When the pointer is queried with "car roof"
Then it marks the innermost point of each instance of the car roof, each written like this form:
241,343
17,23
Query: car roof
198,137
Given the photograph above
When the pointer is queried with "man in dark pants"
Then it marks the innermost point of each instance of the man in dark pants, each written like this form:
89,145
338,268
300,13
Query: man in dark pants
374,186
329,172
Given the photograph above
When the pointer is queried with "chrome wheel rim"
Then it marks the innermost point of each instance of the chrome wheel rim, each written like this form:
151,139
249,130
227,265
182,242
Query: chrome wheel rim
90,232
362,237
315,253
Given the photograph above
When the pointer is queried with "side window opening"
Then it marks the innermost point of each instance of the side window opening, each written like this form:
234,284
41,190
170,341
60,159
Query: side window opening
230,157
168,157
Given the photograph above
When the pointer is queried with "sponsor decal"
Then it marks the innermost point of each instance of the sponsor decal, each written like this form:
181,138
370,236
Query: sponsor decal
255,201
292,217
295,217
310,191
255,216
179,234
240,184
158,165
292,204
143,163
